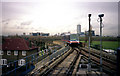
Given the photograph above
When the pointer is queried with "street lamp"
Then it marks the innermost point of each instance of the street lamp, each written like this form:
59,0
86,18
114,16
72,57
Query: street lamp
100,16
89,60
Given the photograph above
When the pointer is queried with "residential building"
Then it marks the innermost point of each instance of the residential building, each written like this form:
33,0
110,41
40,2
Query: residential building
16,49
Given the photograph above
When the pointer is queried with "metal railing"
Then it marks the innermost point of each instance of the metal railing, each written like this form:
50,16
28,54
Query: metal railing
30,62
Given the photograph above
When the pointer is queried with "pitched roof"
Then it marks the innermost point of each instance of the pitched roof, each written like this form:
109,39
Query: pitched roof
15,44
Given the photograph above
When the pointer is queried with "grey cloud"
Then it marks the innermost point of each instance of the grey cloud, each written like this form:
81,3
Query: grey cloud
111,28
36,30
18,27
7,20
32,28
26,23
98,6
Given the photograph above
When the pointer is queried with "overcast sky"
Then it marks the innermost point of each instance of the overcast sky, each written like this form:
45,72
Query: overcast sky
57,17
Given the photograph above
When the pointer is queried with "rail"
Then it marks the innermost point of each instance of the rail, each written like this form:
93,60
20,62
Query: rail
109,64
48,60
63,65
29,65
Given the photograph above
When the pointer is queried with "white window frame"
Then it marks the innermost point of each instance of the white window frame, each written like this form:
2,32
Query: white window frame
24,53
1,52
3,62
16,53
8,52
21,62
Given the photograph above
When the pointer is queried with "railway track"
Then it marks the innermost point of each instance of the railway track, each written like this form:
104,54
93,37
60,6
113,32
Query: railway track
108,64
67,64
65,67
61,66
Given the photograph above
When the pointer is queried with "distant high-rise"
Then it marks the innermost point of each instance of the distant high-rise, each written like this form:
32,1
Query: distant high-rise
79,29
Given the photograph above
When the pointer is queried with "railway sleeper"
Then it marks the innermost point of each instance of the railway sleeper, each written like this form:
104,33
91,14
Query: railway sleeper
71,67
102,58
106,58
109,66
66,70
50,68
106,55
106,69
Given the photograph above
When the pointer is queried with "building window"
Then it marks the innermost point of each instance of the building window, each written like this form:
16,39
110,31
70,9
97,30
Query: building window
8,52
1,52
3,62
23,53
15,52
21,62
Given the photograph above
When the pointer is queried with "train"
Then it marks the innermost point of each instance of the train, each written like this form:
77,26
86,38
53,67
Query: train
74,39
71,39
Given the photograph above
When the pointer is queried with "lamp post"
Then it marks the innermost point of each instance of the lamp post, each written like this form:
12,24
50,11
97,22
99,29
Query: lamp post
100,16
89,59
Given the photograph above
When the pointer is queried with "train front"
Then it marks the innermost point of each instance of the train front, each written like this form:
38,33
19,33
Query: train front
74,40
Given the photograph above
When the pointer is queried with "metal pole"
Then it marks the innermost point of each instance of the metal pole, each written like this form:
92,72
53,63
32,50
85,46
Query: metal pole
101,15
89,61
100,44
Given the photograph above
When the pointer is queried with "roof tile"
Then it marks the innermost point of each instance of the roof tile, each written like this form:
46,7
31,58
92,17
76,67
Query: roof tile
15,44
